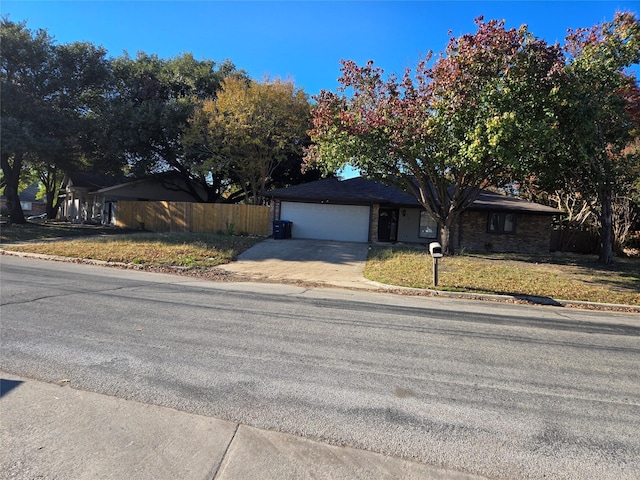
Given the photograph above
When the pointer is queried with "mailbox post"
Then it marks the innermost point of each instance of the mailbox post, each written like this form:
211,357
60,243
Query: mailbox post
435,249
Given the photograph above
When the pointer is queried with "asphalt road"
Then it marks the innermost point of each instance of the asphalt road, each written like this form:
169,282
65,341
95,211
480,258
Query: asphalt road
505,391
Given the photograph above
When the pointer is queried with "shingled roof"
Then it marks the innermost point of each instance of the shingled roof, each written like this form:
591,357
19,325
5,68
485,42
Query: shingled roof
354,191
362,191
92,181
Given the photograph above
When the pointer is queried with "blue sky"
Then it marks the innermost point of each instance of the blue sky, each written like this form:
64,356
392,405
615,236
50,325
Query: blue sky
302,40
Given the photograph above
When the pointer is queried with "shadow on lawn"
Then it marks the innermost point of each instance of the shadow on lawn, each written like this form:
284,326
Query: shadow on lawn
33,231
622,275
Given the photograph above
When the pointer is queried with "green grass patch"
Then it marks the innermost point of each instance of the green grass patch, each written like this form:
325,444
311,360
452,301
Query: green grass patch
186,250
558,276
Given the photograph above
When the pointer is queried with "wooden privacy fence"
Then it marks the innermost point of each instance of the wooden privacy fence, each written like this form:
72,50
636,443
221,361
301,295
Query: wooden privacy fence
193,217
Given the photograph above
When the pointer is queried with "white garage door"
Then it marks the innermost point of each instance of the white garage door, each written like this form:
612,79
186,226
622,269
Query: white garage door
348,223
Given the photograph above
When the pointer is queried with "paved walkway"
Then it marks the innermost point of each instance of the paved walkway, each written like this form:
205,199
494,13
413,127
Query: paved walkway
53,431
320,262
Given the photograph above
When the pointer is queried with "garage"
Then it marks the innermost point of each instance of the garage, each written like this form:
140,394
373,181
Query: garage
348,223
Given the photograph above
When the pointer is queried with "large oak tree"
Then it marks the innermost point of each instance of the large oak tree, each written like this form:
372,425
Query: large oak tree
25,68
50,99
153,102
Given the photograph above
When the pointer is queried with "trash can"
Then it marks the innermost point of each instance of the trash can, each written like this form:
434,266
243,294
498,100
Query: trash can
281,229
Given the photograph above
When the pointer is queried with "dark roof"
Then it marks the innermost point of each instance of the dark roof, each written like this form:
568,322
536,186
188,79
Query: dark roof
362,191
30,193
494,201
170,177
357,191
93,181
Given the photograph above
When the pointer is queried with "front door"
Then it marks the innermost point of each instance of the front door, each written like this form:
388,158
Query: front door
388,225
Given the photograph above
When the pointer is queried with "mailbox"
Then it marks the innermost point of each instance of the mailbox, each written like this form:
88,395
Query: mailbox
435,249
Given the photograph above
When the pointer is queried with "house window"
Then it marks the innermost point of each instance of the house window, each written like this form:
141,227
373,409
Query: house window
501,223
428,226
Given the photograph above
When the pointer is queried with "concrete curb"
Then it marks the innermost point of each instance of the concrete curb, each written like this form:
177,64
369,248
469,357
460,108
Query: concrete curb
511,298
371,286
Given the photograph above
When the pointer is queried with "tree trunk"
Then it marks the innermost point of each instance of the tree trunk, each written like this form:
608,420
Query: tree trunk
53,204
446,235
12,180
606,222
52,184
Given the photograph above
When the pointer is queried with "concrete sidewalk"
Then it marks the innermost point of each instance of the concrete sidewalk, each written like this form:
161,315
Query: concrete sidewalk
55,432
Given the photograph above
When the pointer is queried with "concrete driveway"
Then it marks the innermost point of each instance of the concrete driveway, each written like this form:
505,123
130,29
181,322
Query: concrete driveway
319,262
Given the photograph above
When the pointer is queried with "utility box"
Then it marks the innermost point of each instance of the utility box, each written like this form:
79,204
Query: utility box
282,229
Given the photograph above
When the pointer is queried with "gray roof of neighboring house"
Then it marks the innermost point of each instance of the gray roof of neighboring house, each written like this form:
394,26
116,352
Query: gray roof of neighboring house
92,181
167,178
29,194
362,191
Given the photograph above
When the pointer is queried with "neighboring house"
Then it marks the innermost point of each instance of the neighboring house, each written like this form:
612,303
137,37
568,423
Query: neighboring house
79,201
166,187
90,197
361,210
30,204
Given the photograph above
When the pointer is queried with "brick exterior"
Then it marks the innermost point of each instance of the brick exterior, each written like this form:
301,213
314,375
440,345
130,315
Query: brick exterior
275,207
533,234
373,222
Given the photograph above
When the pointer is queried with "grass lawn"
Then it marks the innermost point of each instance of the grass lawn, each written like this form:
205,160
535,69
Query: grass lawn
560,276
185,250
41,230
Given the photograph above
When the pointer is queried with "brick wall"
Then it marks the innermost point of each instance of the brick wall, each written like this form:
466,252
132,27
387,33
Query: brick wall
373,222
533,234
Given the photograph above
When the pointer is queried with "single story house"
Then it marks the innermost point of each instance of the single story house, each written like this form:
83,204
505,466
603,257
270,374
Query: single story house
362,210
164,187
91,197
78,197
28,201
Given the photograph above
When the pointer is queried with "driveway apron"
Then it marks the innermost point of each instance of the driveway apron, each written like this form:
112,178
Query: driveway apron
338,264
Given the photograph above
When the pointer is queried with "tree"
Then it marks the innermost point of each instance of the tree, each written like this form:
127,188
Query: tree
24,76
49,98
597,106
80,80
447,130
251,129
157,97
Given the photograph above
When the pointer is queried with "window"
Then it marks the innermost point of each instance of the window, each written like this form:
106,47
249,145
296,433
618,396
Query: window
428,226
501,223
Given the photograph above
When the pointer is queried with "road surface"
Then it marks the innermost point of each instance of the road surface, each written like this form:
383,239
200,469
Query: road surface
504,391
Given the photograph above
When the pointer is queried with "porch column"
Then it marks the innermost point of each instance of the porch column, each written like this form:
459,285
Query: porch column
275,213
373,223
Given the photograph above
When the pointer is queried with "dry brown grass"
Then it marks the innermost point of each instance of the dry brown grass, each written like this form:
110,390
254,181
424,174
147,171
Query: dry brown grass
557,276
187,250
561,276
